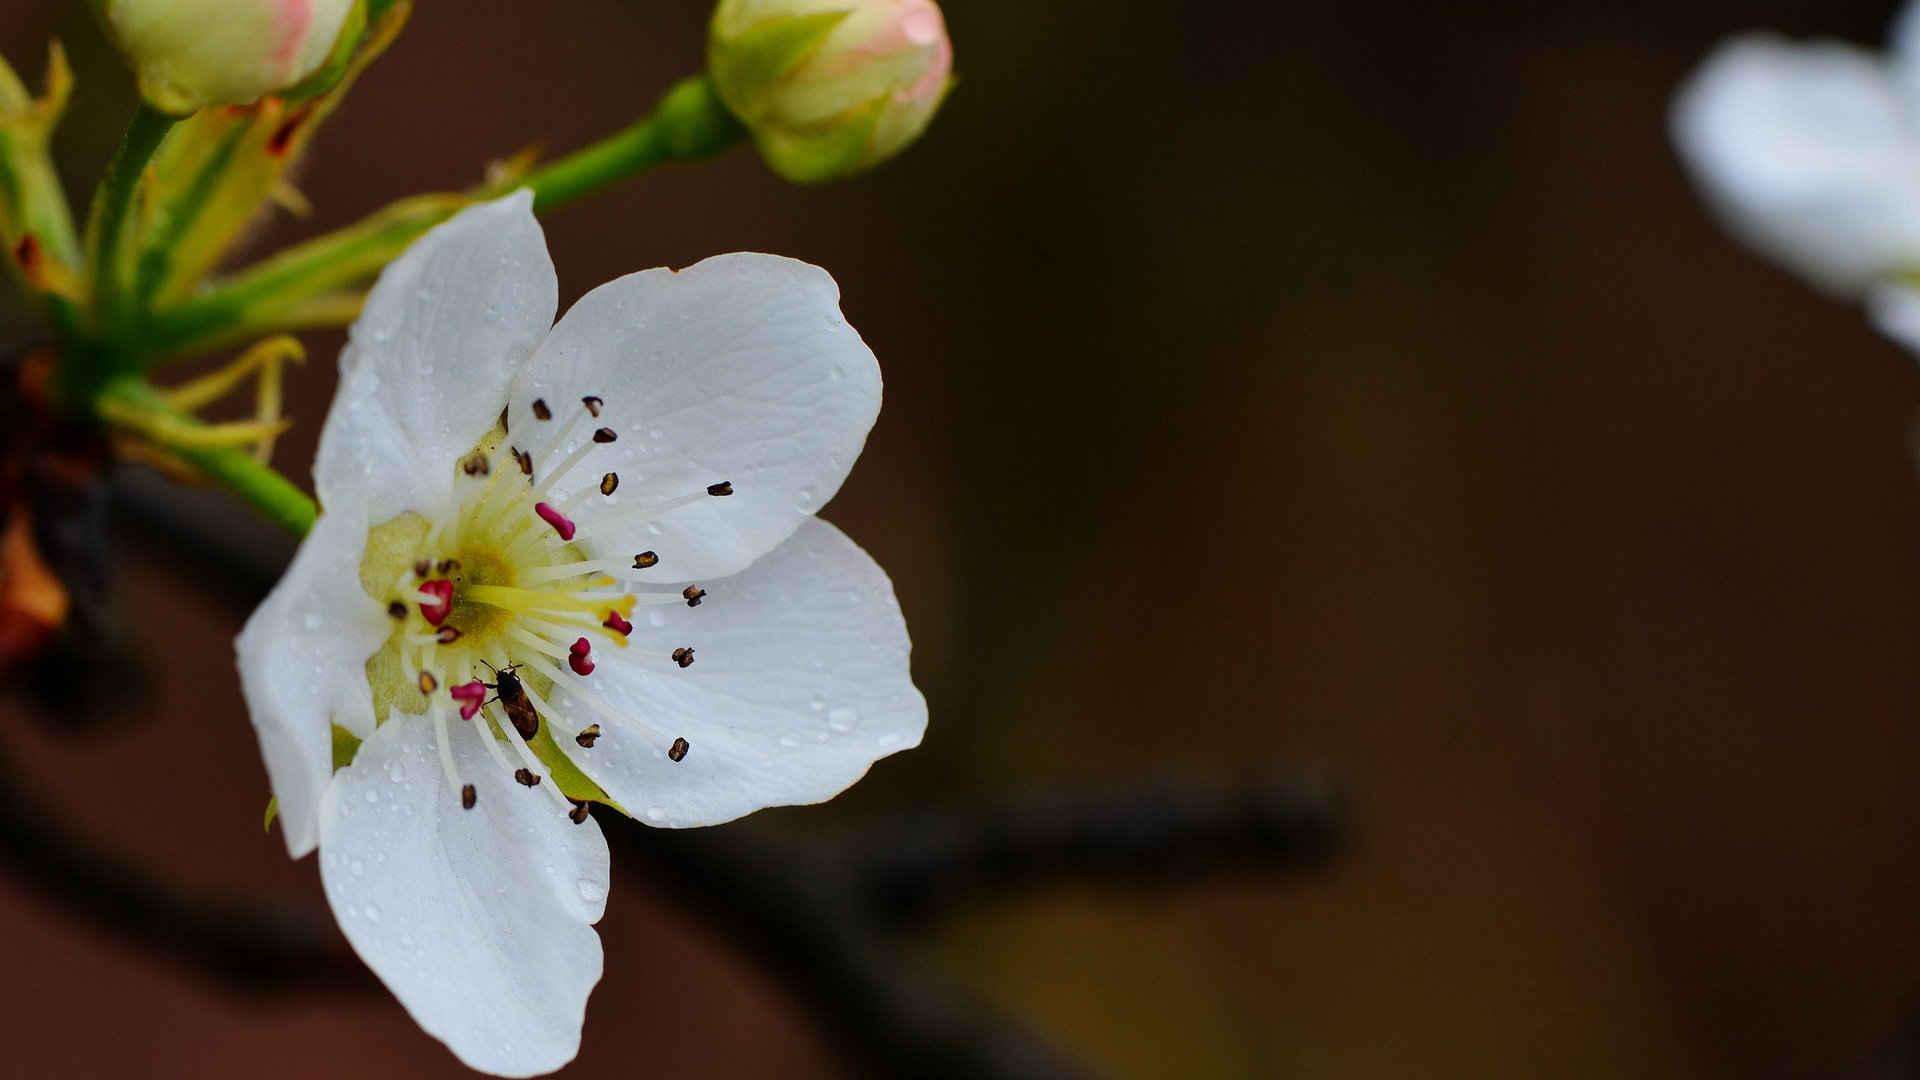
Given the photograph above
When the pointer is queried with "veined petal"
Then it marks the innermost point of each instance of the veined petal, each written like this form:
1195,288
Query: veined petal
739,368
479,921
303,657
800,683
1810,153
426,368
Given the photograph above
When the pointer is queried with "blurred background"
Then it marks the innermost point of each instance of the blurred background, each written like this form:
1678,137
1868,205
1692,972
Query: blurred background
1280,397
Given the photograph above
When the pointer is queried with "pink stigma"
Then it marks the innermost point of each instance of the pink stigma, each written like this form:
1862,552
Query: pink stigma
577,658
470,696
556,519
436,612
617,624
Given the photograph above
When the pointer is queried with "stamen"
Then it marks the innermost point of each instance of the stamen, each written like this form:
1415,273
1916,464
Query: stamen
693,595
439,711
678,751
397,609
487,729
523,459
428,684
556,519
448,566
437,610
470,695
645,560
577,815
589,736
476,464
683,656
527,777
724,487
540,410
617,624
422,567
578,658
468,796
609,482
447,635
605,435
593,404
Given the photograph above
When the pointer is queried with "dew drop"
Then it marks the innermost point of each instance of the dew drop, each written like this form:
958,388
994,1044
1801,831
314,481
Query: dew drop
371,912
315,621
843,719
805,499
817,703
359,868
656,619
656,813
592,891
789,741
888,739
397,772
373,796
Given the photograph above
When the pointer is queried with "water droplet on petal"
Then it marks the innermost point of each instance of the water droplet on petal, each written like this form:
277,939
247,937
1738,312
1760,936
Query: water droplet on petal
886,740
359,868
396,772
373,796
314,621
371,912
656,619
789,741
592,891
843,719
656,813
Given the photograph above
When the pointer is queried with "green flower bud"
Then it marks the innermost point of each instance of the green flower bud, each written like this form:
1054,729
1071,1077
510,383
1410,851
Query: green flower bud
189,54
830,87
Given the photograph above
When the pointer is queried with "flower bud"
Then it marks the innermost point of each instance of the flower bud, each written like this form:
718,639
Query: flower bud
830,87
188,54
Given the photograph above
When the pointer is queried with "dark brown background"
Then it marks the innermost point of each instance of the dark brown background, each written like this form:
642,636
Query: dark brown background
1267,386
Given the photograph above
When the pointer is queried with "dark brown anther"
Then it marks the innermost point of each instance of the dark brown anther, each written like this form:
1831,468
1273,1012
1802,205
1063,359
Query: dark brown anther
693,595
475,464
588,737
422,567
609,482
678,750
27,254
540,410
683,655
592,403
724,487
644,560
526,777
447,635
397,609
523,459
503,418
428,684
604,435
468,797
448,566
577,815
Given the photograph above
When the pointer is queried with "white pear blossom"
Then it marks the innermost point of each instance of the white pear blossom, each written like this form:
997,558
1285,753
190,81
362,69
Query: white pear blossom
1810,153
528,531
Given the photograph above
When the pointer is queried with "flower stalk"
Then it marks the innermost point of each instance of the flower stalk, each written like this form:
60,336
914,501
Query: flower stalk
112,204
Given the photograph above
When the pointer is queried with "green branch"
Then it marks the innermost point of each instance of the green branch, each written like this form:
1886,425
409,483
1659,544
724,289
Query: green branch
689,123
112,203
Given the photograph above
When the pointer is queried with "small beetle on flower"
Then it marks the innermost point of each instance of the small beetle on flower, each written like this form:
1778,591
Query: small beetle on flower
526,528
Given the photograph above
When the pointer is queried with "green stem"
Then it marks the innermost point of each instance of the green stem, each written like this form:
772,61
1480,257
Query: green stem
130,403
112,203
689,123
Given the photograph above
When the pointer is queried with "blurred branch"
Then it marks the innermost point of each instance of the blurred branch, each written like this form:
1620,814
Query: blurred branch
253,949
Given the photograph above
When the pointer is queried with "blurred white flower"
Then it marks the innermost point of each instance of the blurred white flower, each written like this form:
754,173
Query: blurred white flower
579,507
1810,153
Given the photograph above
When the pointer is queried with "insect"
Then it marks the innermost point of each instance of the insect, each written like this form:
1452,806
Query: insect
513,697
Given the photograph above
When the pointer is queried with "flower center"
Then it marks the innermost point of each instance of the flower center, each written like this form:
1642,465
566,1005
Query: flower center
502,607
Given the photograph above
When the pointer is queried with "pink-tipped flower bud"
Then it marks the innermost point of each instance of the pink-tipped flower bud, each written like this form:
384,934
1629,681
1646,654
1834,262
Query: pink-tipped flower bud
189,54
830,87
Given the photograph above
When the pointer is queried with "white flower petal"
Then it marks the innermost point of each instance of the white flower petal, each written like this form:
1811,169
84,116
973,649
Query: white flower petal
1895,311
478,920
426,370
799,683
1903,48
739,368
1810,153
303,657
